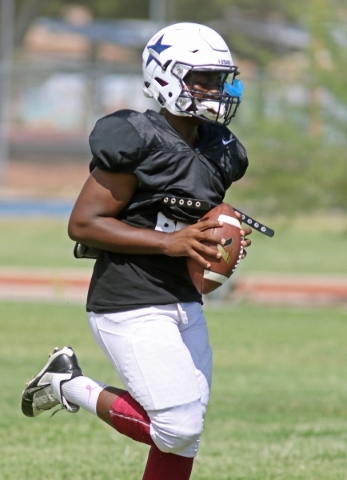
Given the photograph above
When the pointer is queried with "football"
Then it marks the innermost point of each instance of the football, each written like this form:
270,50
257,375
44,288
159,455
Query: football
206,281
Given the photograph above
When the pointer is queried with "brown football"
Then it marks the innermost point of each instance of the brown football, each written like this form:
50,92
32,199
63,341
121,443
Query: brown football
206,281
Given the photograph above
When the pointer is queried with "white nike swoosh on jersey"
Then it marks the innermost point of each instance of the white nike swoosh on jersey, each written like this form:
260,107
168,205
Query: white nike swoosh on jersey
225,142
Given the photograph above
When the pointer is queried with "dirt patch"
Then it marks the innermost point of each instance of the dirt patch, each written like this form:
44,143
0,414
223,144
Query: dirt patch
71,285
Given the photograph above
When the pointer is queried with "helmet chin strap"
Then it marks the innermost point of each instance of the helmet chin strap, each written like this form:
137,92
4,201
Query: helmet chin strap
209,109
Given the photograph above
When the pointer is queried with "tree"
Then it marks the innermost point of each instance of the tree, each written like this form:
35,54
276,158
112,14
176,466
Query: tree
26,12
298,157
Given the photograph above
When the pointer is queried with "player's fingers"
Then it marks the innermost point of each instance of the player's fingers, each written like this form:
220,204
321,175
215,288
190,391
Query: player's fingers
204,260
201,261
246,242
245,231
207,225
209,237
207,251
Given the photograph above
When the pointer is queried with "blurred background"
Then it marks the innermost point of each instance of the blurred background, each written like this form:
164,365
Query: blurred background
64,64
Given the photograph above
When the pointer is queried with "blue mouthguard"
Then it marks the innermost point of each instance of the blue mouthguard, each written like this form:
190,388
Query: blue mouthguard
234,89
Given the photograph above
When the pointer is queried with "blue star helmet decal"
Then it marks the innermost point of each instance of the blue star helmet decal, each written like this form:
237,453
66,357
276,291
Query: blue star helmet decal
158,47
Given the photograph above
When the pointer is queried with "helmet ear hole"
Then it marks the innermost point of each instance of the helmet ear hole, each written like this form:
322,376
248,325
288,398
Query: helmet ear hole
161,82
170,94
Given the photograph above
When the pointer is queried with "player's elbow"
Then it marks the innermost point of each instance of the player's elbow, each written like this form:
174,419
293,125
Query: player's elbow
77,230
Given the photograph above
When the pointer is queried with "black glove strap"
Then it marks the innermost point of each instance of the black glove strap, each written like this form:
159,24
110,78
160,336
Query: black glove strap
204,206
256,225
186,202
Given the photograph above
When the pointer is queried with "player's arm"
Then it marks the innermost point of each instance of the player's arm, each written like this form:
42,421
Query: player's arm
104,196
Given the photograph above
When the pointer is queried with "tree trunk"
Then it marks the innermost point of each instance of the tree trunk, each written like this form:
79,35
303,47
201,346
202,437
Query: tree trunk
26,15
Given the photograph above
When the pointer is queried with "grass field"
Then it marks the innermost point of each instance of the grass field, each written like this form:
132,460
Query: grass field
306,244
279,400
278,409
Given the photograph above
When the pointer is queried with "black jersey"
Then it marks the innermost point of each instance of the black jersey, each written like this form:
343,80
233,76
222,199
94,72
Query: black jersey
145,144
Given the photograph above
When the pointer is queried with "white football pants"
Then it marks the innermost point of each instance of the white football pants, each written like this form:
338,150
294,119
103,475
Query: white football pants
163,357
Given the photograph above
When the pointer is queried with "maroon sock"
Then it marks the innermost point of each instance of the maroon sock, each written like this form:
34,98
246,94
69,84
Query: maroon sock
130,419
167,466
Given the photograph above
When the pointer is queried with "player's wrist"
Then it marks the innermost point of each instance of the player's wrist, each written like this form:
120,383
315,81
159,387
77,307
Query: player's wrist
164,243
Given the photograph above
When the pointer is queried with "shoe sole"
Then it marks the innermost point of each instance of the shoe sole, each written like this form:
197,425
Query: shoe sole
34,386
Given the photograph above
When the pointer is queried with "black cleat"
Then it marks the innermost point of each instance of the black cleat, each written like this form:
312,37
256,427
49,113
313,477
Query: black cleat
43,392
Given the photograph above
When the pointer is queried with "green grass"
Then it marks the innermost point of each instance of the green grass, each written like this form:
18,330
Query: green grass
314,244
306,244
278,408
37,242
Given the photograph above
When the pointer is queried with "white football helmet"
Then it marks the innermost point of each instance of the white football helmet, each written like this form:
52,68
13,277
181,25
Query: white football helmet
189,47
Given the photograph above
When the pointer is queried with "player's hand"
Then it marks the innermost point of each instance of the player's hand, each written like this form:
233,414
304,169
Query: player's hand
244,232
189,242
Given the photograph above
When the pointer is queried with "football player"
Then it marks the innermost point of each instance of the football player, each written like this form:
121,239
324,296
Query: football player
152,177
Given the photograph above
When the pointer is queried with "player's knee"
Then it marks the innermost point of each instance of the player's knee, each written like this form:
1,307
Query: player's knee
178,429
179,436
